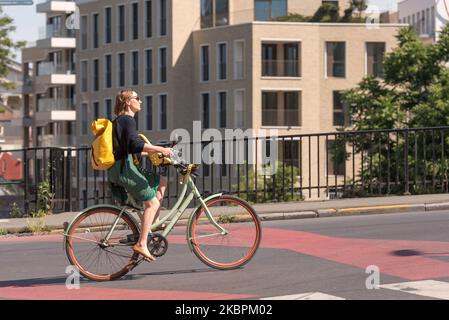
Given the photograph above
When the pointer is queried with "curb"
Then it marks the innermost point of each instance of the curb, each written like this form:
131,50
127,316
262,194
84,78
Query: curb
320,213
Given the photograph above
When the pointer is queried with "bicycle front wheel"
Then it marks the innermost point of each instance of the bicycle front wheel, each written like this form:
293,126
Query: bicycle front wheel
96,257
236,244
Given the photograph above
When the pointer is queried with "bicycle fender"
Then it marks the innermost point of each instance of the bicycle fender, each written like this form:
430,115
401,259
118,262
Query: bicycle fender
108,206
188,235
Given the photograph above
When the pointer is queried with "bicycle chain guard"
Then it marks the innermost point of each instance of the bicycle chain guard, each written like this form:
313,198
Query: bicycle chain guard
157,244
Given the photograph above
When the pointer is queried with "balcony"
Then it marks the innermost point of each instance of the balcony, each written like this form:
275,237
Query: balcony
52,36
51,140
56,6
49,74
50,110
281,68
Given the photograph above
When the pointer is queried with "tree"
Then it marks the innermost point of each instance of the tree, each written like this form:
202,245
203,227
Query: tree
414,93
329,12
7,47
359,5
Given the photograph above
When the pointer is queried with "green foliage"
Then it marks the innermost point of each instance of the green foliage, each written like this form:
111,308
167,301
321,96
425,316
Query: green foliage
37,225
15,211
44,197
328,12
414,93
3,232
270,188
7,47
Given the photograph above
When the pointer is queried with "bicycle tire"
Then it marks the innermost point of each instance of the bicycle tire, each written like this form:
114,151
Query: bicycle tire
75,232
239,219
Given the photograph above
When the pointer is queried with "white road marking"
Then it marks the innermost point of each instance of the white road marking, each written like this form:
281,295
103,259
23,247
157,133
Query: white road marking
426,288
306,296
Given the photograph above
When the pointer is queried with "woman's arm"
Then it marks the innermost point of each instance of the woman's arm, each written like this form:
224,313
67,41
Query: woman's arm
149,148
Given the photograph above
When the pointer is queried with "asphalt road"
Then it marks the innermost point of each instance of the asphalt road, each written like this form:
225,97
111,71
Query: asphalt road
325,258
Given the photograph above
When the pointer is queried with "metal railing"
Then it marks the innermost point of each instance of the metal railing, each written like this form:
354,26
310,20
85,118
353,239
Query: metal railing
309,166
281,68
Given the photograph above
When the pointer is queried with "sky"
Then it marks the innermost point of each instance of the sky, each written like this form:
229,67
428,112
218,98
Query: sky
28,21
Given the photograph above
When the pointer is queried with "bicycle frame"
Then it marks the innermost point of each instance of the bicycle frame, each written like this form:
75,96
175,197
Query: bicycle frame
174,215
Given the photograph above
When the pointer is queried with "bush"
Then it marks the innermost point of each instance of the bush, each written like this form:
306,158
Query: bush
270,188
37,226
15,211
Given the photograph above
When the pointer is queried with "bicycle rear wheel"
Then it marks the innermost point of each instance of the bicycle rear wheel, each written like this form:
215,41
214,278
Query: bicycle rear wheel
230,249
96,258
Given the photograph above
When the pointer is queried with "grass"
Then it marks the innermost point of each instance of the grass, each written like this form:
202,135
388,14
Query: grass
37,226
3,232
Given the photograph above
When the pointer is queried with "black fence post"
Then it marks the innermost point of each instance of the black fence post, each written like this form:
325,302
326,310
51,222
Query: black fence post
68,190
406,176
25,177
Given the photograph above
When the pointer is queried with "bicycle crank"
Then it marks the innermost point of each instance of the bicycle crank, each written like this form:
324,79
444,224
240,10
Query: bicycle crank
157,244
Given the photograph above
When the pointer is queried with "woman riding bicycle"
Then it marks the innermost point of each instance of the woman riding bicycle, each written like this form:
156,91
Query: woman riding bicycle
143,186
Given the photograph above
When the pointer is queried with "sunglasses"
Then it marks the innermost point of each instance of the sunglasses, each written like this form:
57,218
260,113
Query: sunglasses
137,98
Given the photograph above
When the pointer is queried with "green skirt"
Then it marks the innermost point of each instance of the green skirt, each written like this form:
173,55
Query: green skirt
141,184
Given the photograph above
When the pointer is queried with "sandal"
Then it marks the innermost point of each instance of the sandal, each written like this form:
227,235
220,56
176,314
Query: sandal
148,258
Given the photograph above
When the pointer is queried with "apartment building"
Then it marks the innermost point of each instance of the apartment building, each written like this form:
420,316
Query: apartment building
49,79
224,63
427,17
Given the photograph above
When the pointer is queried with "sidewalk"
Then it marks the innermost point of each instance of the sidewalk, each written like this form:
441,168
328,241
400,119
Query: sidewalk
289,210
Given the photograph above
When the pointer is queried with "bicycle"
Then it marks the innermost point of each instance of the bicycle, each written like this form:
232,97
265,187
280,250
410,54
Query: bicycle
223,231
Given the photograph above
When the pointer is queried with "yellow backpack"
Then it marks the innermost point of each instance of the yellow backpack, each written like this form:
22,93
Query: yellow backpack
102,150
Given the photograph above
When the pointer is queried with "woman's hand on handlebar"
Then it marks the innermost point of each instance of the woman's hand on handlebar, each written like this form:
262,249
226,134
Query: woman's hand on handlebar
167,152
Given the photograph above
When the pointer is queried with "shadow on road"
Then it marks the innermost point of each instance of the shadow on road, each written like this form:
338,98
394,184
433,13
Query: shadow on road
164,273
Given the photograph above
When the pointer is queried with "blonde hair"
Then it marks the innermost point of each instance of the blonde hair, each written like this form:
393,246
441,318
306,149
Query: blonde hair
121,99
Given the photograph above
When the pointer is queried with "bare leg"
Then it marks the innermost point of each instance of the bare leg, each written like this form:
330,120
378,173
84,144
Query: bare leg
151,208
160,195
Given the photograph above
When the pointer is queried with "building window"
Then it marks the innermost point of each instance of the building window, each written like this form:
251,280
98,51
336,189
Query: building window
83,32
108,25
205,63
149,113
269,62
281,108
121,69
239,60
335,55
222,61
163,112
291,60
108,71
221,109
341,114
148,19
239,108
135,68
163,18
268,9
83,76
96,110
121,23
206,14
96,82
148,66
214,13
95,30
84,119
135,20
375,52
205,110
163,65
108,107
